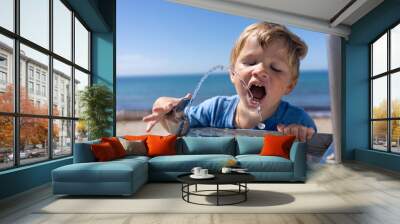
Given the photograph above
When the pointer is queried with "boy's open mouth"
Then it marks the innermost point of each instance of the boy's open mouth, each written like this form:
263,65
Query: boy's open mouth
258,92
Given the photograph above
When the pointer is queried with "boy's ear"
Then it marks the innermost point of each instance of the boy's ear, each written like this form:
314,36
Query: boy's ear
290,87
231,76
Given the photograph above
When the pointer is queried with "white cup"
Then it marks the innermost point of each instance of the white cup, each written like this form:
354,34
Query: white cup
203,172
226,170
196,170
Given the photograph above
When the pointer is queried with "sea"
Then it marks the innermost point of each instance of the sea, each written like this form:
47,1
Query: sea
138,92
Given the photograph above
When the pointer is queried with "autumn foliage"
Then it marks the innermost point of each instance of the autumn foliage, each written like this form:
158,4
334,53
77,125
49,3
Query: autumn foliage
33,130
380,127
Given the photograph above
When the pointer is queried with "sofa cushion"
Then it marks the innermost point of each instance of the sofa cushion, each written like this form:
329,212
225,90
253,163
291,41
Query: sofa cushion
111,171
134,147
135,137
277,145
249,145
185,163
206,145
103,152
161,145
257,163
116,145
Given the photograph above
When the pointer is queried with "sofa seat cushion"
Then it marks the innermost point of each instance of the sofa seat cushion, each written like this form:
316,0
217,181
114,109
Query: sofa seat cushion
111,171
257,163
133,158
185,163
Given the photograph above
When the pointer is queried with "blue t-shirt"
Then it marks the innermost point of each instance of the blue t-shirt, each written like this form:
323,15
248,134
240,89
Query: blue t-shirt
219,112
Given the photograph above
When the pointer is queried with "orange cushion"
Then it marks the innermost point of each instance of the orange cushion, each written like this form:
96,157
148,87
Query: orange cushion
161,145
135,137
277,145
116,145
103,151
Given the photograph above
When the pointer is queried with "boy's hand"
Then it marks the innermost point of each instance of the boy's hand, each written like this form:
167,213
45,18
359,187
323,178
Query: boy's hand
301,132
162,106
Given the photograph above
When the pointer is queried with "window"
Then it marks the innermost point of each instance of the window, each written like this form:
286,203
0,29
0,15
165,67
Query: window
43,90
54,125
43,77
37,74
30,72
3,78
62,29
38,89
385,94
34,22
30,87
3,72
81,45
7,14
3,61
62,74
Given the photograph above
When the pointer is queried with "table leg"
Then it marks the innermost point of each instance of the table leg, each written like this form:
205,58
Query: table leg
245,191
196,188
217,194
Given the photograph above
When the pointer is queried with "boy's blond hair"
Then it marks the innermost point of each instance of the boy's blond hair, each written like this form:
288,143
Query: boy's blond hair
267,33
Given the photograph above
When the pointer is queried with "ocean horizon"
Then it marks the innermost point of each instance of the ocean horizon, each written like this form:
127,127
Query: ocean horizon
138,92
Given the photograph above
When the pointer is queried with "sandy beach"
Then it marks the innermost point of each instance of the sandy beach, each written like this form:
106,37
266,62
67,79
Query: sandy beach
138,127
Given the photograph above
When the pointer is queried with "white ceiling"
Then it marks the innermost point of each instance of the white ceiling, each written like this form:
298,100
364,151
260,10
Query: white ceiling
317,15
320,9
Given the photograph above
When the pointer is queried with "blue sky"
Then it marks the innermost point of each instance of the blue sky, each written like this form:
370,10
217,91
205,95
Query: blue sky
159,37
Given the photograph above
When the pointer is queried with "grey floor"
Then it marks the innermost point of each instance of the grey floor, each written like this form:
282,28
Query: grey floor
379,189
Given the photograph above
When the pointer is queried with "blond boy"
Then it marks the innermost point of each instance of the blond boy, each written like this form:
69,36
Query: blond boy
264,63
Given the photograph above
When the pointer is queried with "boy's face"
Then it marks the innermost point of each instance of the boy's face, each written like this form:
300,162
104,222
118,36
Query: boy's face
265,71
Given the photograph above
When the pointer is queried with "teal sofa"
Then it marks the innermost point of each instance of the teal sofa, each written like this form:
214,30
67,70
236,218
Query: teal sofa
125,176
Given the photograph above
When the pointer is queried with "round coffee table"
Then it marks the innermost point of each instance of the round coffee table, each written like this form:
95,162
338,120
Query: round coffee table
238,179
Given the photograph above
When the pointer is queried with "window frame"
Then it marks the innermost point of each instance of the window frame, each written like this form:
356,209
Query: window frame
16,114
388,74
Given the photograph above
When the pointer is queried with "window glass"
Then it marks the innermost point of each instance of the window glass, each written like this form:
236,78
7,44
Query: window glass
6,142
6,74
81,131
62,29
379,135
34,21
395,47
33,139
81,45
62,91
7,14
39,62
395,136
395,95
81,81
379,56
379,97
62,138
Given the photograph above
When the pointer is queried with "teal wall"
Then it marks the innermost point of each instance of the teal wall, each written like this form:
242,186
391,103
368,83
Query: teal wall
99,16
24,178
103,66
356,83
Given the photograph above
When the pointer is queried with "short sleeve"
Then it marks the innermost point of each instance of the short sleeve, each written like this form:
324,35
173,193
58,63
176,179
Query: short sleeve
199,116
216,112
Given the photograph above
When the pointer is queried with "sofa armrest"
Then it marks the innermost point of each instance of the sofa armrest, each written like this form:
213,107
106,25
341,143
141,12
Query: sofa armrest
298,157
83,152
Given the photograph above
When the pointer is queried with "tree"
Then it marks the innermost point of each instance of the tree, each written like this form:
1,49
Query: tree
97,104
380,127
33,130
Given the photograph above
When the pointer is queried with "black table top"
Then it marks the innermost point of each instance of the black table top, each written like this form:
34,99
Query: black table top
220,178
